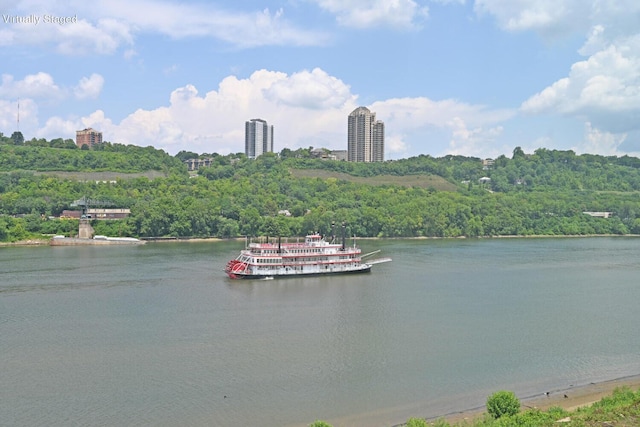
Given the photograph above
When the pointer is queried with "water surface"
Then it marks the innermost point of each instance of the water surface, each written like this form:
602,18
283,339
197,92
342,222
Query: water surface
157,335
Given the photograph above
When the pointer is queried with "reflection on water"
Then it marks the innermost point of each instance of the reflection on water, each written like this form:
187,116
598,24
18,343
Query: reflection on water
157,335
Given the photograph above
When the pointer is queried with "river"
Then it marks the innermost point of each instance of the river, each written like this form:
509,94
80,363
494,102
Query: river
158,335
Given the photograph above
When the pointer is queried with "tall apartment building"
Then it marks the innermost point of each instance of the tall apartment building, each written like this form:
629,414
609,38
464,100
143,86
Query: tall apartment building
258,138
365,137
89,137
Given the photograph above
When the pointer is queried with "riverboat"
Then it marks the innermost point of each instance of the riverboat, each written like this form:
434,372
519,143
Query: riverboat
314,256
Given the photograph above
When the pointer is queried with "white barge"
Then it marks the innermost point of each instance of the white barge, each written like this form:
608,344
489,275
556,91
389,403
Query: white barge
95,241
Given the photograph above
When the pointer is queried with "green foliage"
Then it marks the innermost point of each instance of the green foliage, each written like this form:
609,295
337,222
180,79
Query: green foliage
110,157
503,403
238,196
17,138
621,396
320,424
564,170
621,408
416,422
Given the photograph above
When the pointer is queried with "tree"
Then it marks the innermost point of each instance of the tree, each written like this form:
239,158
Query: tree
18,138
503,403
320,423
186,155
518,153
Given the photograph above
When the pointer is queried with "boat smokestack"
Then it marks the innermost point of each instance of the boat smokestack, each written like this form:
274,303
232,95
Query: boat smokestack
344,235
333,231
279,245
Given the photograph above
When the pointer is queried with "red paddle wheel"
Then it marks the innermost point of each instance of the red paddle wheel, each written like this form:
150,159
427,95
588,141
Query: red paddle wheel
235,268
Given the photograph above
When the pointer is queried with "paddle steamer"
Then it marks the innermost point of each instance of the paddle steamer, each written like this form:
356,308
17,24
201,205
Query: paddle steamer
314,256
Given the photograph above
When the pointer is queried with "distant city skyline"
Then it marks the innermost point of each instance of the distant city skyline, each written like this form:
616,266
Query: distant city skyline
258,138
467,77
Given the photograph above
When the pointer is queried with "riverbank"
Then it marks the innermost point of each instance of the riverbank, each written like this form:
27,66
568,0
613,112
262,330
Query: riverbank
29,242
46,241
569,399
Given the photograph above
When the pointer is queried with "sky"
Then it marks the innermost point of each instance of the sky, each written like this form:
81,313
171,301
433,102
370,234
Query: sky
467,77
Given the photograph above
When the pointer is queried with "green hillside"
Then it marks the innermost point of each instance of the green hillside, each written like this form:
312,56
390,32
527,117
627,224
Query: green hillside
108,157
544,193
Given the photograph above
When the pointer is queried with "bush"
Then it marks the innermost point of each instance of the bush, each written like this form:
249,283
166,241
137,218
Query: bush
503,403
320,423
416,422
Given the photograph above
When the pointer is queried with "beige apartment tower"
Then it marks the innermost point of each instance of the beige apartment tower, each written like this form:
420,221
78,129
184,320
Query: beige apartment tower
365,137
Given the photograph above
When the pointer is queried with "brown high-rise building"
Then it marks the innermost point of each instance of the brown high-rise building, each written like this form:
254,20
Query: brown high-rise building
88,137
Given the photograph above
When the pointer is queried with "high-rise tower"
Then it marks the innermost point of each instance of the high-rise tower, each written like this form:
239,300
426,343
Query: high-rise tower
365,137
258,138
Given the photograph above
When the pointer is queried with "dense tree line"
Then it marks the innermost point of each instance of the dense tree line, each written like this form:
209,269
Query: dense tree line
554,170
238,196
58,155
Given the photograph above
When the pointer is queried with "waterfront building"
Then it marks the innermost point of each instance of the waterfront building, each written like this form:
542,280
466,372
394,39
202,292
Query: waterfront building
88,137
258,138
365,137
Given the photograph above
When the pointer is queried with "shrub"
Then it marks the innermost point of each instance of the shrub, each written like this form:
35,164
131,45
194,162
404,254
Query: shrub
416,422
503,403
320,423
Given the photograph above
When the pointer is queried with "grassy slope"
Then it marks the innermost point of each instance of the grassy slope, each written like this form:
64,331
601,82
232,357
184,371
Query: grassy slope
620,409
101,176
422,180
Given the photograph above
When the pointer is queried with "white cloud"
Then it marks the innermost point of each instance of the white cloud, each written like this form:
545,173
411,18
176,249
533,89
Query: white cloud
179,20
104,36
56,127
28,112
404,14
479,141
449,1
314,90
561,18
540,15
39,85
307,108
421,112
604,89
599,142
89,87
424,121
395,144
214,122
103,27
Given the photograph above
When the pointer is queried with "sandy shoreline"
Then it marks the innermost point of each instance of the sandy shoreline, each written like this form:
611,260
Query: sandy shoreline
576,397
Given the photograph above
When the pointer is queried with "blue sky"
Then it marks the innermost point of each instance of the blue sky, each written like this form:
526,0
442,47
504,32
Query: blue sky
475,78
